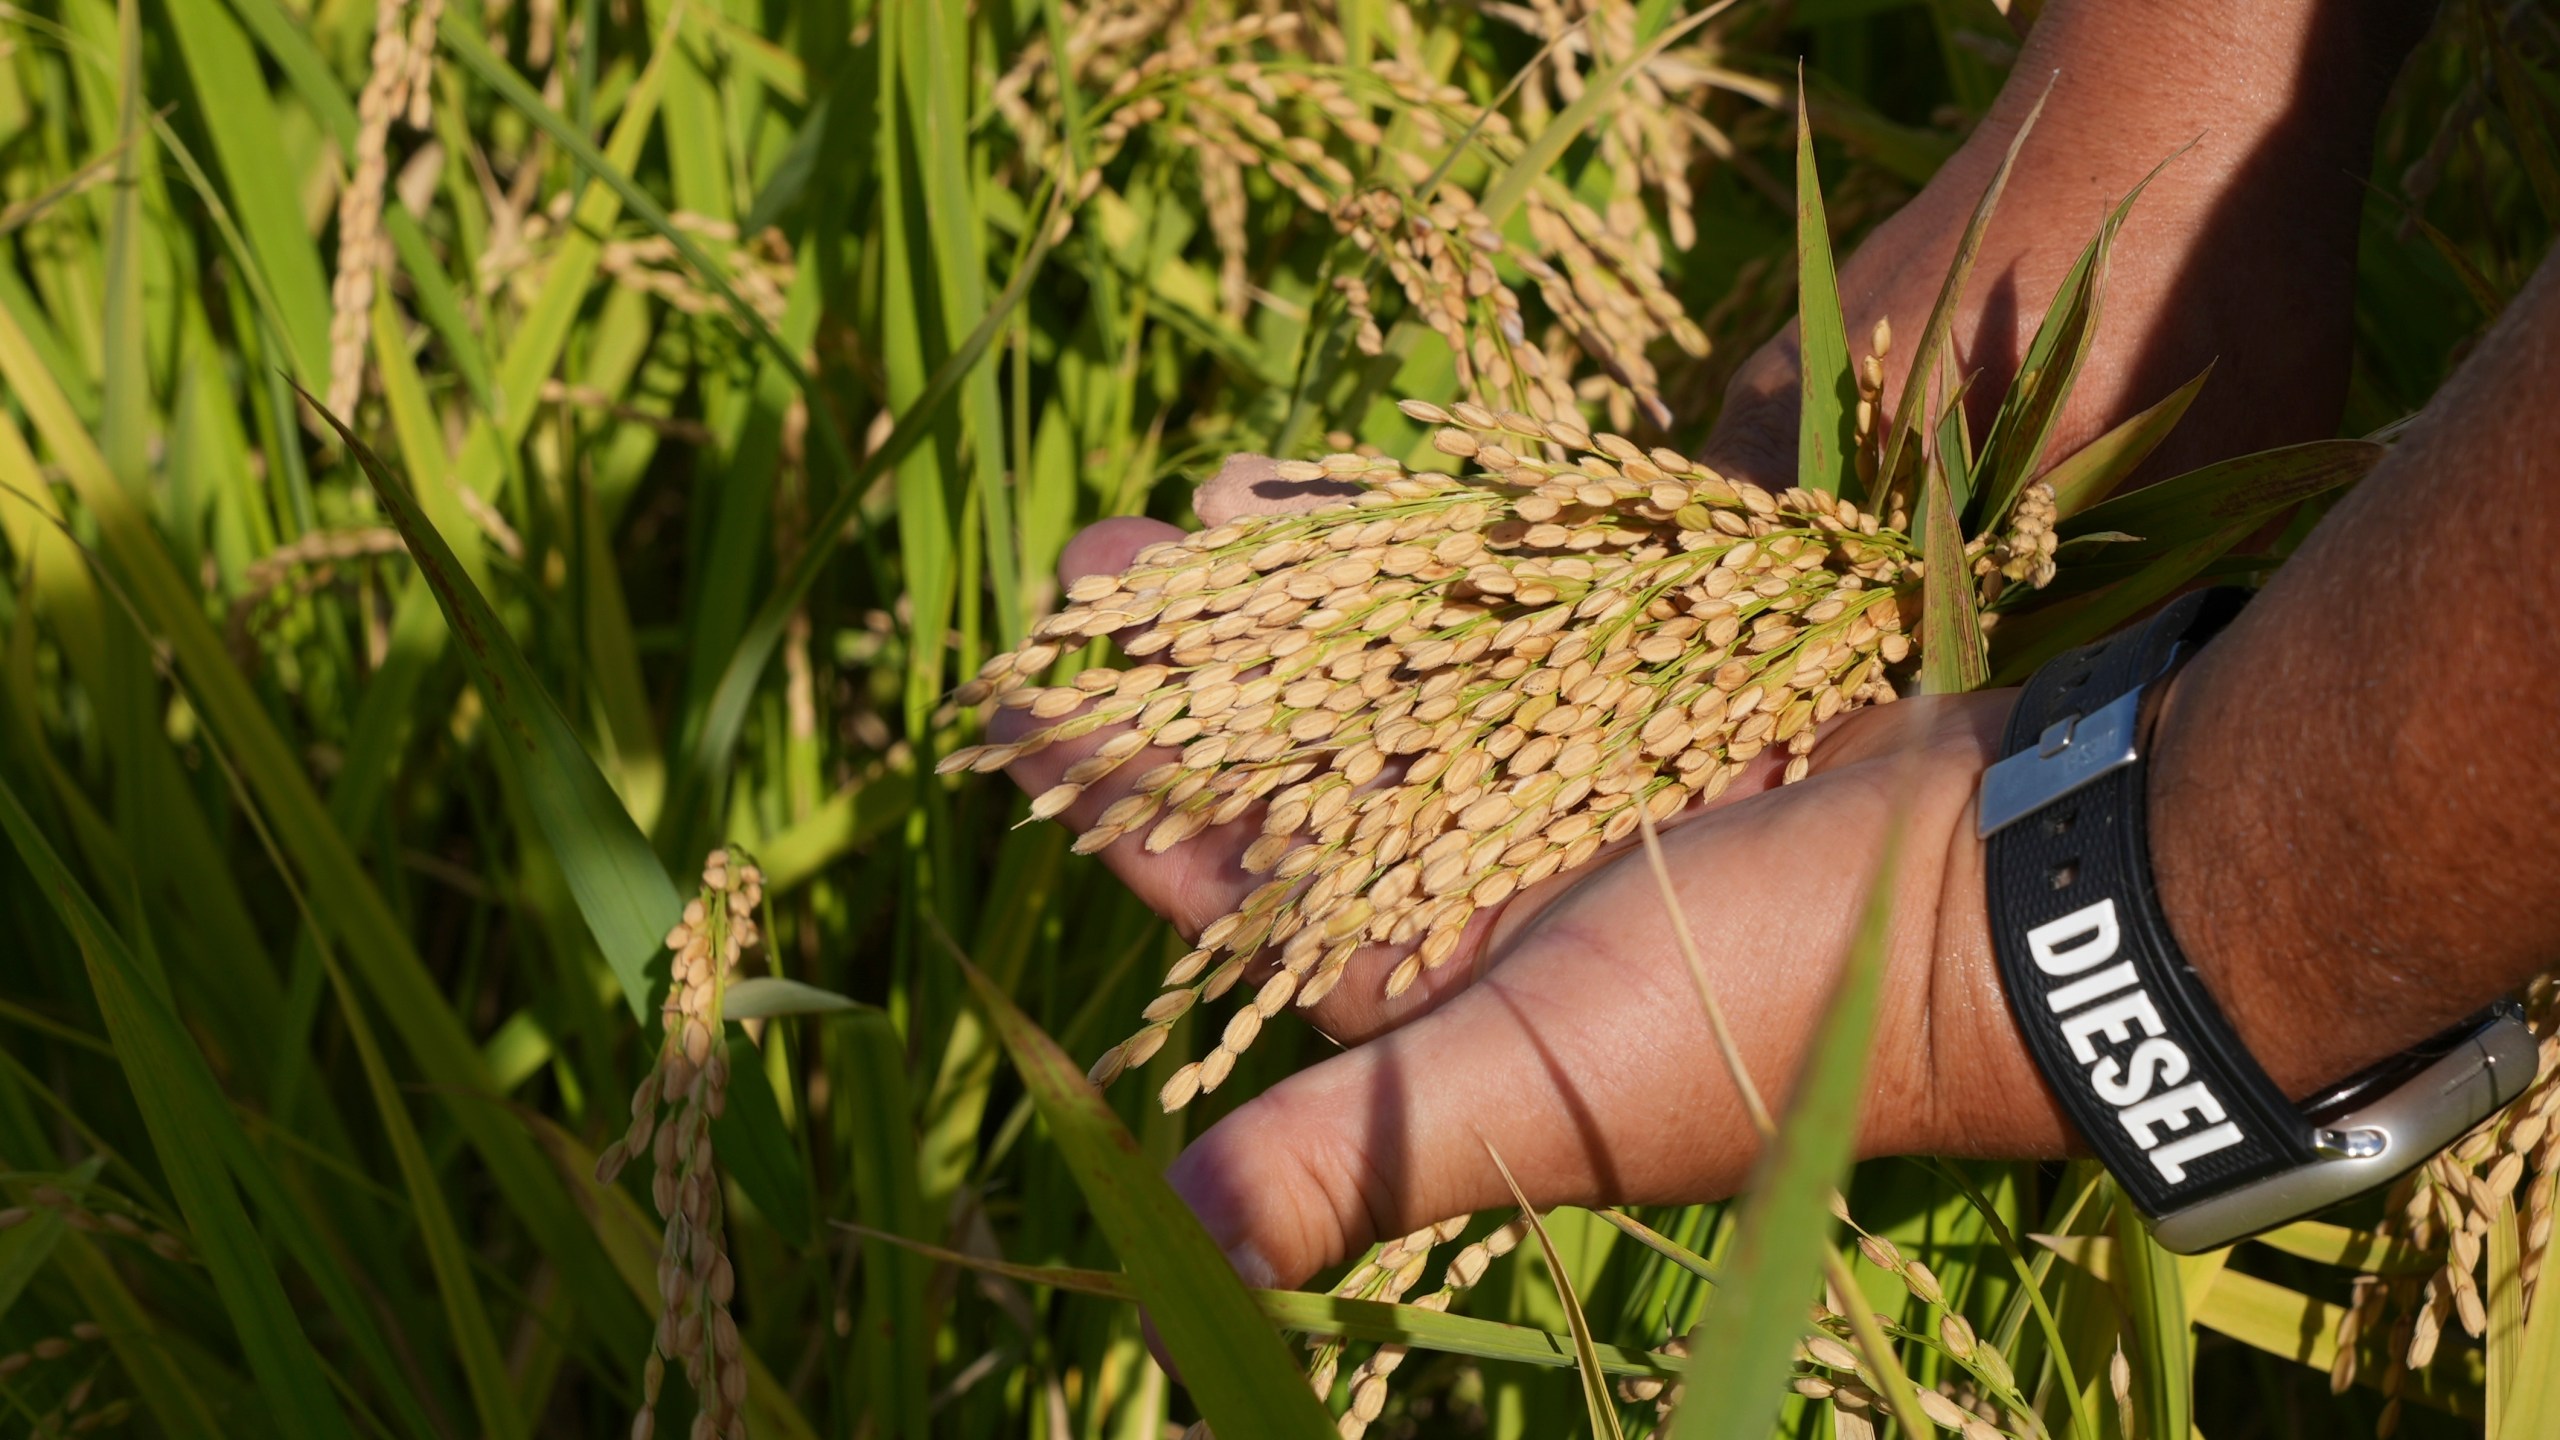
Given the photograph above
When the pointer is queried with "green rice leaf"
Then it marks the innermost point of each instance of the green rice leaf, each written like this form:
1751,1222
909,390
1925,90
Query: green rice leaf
25,1248
620,887
868,1060
762,997
2264,1315
1340,1316
2505,1341
1824,434
2156,1322
2030,1298
756,1149
1231,1359
1659,1243
2244,490
144,1350
1914,407
2531,1406
484,1368
340,890
2092,472
2033,407
239,113
2354,1249
1952,658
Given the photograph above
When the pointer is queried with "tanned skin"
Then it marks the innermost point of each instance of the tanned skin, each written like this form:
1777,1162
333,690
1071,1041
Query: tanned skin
2352,789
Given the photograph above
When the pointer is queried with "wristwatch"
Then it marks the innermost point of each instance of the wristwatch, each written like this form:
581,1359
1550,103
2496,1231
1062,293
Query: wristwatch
2131,1042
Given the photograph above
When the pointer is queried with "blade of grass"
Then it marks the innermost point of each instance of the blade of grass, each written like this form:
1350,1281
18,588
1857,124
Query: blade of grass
1742,1347
288,1222
704,756
2031,1280
2244,490
2028,414
1230,1357
940,82
2264,1315
869,1062
756,1149
2353,1249
142,1349
484,1369
25,1249
2531,1404
1596,1399
1660,1244
183,1108
1331,1315
764,997
237,111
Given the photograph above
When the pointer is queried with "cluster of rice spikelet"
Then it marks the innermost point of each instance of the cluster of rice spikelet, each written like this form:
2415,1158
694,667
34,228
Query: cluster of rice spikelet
80,1212
75,1415
2501,1173
1447,688
398,87
1217,93
690,1082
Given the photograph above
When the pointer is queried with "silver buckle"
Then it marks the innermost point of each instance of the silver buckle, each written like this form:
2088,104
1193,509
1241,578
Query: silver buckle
2377,1143
2073,751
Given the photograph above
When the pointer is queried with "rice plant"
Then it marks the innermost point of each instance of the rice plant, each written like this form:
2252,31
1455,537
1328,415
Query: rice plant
464,466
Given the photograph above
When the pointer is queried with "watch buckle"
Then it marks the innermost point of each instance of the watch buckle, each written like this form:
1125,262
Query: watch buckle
2072,752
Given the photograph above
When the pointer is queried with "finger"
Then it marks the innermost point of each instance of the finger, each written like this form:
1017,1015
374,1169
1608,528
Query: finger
1583,1056
1251,485
1359,1009
1106,547
1190,884
1755,434
1390,1137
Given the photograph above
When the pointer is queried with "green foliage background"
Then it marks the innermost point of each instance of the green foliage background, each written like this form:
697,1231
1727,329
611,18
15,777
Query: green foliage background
328,932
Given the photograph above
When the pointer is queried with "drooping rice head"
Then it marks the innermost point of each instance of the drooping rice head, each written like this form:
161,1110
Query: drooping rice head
1446,688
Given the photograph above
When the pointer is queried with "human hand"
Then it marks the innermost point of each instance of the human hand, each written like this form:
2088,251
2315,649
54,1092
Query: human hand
1568,1029
2240,254
1581,1050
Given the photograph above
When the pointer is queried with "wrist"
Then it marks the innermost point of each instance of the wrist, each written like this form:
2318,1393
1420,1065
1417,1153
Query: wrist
2237,916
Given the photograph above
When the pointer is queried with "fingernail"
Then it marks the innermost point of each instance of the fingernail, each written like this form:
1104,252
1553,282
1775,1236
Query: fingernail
1248,1263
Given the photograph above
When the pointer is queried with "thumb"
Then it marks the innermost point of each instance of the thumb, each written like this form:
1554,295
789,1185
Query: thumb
1567,1079
1323,1164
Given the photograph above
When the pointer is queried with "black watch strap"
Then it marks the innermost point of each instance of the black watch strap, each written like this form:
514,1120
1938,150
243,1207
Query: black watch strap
2133,1045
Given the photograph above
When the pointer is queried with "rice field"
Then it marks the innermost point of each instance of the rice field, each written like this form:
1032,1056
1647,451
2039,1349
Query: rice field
501,504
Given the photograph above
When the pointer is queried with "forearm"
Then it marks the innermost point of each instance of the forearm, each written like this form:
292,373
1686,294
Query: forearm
2134,79
2240,254
2357,786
